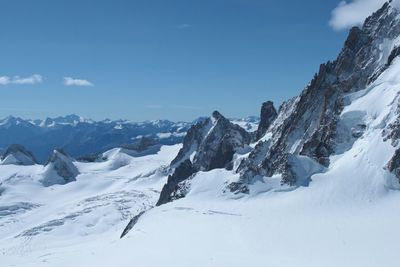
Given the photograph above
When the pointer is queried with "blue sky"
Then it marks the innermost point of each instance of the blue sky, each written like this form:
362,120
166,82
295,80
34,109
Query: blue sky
159,59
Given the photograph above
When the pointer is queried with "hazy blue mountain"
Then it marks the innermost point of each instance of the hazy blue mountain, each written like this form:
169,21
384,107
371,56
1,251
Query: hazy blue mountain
82,137
79,136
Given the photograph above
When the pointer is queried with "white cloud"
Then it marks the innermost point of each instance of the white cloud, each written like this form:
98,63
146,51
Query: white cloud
4,80
36,78
33,79
68,81
349,14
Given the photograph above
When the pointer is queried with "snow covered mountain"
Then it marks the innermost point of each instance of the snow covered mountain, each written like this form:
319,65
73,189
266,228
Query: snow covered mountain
317,183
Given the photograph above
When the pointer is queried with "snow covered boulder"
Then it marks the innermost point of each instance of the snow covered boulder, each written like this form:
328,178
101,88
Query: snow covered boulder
60,169
18,155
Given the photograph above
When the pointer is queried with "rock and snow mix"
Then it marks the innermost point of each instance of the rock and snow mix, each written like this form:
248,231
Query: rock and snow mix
17,155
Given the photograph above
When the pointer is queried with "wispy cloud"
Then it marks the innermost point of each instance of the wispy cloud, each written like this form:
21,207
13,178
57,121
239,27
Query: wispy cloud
69,81
155,106
186,107
184,26
152,106
353,13
33,79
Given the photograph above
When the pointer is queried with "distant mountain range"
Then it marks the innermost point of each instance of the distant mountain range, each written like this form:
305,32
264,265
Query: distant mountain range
82,137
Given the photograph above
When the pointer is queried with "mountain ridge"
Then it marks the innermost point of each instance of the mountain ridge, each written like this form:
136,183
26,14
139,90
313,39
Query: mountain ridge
82,137
300,140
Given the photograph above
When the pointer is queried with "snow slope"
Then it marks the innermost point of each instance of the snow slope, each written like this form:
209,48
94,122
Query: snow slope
35,220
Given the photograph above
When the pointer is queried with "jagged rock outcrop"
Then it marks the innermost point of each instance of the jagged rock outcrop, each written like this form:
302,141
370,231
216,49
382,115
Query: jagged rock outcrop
392,131
307,125
209,144
394,164
18,155
267,117
171,188
59,169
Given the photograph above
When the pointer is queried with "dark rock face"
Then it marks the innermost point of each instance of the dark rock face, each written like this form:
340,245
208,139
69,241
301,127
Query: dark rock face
392,133
218,147
208,145
394,54
394,164
182,172
267,117
307,125
192,140
59,169
18,155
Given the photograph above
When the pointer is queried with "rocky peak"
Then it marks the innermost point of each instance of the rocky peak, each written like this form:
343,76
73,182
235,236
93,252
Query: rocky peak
208,145
216,115
267,116
59,169
211,143
192,141
18,155
219,143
